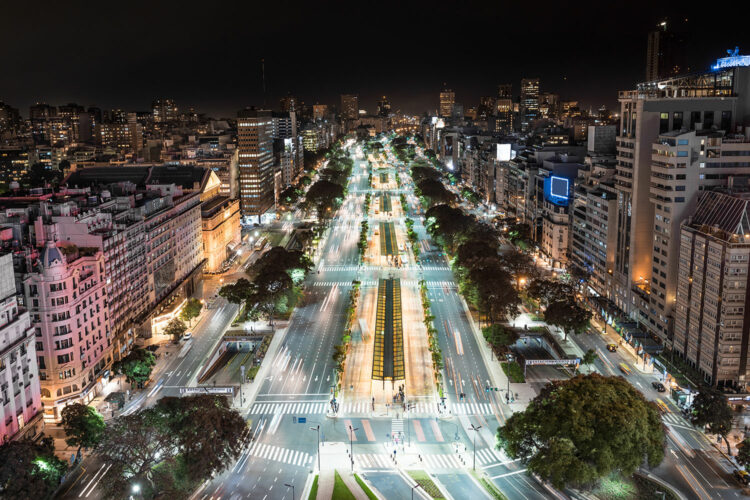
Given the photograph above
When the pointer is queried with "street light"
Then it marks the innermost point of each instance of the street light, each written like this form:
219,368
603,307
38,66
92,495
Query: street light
475,428
351,444
317,429
290,486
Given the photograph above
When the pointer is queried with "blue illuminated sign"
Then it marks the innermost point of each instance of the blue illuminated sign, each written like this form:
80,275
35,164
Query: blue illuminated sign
732,61
557,190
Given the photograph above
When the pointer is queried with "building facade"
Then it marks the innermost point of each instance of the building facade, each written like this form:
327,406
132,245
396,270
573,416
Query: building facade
255,143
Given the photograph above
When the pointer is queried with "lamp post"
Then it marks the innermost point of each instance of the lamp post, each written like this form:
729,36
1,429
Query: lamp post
317,429
351,444
409,407
290,486
475,428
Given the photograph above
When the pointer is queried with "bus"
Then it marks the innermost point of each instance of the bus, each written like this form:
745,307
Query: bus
260,243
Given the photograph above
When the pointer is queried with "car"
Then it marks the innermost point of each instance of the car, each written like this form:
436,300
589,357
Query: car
611,347
658,386
187,336
742,476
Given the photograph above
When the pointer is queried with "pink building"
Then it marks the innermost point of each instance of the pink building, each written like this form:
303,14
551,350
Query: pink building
20,401
66,295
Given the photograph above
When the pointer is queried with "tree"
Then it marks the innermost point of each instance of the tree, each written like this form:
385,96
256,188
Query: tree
497,296
743,453
324,196
589,357
435,192
29,469
579,430
175,328
136,366
519,265
237,292
546,291
339,355
191,309
83,426
568,315
170,448
711,409
499,335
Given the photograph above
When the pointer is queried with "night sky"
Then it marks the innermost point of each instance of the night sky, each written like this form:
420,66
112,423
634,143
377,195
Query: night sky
207,54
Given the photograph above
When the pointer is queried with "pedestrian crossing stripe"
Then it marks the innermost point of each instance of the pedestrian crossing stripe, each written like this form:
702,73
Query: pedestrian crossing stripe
485,457
355,408
278,454
673,418
471,408
289,408
407,267
372,283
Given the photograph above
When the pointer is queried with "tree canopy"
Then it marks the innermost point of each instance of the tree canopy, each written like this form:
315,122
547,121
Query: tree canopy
29,469
325,196
435,192
175,328
711,409
136,366
191,309
83,425
567,314
579,430
169,448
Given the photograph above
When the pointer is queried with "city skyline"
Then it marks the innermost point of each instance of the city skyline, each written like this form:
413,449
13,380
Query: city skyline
123,63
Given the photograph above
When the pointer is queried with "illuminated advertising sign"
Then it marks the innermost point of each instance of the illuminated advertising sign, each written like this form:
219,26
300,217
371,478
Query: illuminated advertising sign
503,152
557,190
732,61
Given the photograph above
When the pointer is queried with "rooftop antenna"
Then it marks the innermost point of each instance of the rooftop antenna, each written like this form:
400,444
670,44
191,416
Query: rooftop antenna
263,75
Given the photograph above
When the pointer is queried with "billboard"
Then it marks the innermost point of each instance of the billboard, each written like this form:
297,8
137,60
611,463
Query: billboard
557,190
503,152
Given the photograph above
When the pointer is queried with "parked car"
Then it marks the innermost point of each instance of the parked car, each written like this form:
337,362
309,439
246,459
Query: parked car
187,336
658,386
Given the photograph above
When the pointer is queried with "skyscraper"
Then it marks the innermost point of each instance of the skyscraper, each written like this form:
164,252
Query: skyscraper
384,106
290,103
349,106
505,91
529,101
666,54
255,143
447,101
164,110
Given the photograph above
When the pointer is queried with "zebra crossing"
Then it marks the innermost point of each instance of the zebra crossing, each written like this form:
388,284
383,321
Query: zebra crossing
471,408
674,419
485,457
372,283
355,408
278,454
407,267
289,408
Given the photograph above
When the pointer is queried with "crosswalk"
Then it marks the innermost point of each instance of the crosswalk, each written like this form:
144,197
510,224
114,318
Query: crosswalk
485,457
317,407
470,408
372,283
278,454
675,419
407,267
397,426
289,408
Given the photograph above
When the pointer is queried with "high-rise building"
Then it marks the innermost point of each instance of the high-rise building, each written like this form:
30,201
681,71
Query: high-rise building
349,106
505,91
164,111
487,106
21,408
384,106
529,101
255,142
290,103
447,103
666,54
320,111
677,138
711,313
